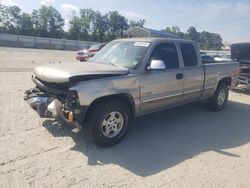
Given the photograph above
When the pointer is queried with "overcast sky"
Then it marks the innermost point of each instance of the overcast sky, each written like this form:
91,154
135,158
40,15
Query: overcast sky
230,18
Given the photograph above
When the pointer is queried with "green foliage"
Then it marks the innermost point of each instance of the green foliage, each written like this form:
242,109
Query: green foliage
26,24
139,23
9,19
175,30
48,22
193,34
206,40
117,25
100,27
210,41
92,25
77,29
89,25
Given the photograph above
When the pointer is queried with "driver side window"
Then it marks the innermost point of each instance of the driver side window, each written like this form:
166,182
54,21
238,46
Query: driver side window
168,54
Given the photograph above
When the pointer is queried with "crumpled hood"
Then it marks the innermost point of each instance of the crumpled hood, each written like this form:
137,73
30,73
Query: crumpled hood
64,72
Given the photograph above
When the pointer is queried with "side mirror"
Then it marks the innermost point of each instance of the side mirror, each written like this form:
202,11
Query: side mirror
156,65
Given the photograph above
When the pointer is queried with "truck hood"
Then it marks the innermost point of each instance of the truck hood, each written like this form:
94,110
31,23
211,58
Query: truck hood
65,72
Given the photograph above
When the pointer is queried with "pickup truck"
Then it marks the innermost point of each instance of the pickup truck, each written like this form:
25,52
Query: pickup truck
240,52
126,79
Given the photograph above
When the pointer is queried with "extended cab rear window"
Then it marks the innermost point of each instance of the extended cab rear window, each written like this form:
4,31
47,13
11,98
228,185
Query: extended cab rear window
189,55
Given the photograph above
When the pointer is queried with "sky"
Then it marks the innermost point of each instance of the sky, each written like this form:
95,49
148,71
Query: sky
229,18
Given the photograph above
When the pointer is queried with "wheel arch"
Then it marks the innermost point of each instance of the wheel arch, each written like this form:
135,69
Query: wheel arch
225,80
124,97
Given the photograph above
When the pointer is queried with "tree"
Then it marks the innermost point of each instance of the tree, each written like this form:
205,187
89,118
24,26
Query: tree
193,34
211,41
100,27
56,23
81,27
140,23
48,22
92,25
117,25
26,25
77,29
10,18
206,40
36,23
89,25
3,12
175,30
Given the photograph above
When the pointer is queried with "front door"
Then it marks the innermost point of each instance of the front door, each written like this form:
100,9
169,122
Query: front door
162,88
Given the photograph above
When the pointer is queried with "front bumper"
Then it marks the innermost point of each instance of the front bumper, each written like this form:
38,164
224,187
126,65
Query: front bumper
47,106
38,102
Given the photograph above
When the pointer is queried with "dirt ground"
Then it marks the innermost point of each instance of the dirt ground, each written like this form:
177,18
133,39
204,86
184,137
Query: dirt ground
188,146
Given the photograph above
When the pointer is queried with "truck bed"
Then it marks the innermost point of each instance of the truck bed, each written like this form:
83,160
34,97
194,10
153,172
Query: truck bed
214,72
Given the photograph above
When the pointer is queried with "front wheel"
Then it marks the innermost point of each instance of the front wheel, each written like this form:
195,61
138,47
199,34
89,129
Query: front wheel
220,98
109,123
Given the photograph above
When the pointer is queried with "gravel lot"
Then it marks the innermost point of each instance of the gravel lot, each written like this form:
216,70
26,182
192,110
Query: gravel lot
188,146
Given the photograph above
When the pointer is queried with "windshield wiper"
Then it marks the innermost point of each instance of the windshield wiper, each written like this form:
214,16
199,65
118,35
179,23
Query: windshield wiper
109,62
113,64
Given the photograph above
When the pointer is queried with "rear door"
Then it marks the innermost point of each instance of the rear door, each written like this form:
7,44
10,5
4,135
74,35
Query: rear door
162,88
193,72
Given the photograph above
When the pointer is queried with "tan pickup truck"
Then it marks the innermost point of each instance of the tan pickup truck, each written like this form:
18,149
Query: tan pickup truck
128,78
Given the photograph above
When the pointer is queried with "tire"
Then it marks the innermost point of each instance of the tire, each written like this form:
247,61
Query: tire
109,122
220,98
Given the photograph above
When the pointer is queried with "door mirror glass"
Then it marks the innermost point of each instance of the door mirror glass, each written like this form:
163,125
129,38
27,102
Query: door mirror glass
156,65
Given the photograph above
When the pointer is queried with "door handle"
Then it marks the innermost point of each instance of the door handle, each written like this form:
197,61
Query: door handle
179,76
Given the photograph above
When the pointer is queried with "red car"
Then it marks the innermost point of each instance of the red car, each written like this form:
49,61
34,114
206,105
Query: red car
83,55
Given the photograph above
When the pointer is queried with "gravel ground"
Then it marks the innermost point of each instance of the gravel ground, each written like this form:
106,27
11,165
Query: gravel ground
188,146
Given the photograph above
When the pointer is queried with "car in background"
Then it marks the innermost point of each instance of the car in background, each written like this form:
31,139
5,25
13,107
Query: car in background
222,57
241,53
203,53
207,59
84,55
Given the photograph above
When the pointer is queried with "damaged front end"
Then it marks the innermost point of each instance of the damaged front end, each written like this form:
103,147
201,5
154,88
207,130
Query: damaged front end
39,102
52,96
54,102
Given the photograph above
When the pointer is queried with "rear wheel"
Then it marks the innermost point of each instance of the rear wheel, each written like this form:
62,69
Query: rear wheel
109,122
220,98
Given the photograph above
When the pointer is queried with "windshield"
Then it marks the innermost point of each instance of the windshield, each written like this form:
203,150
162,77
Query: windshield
121,53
